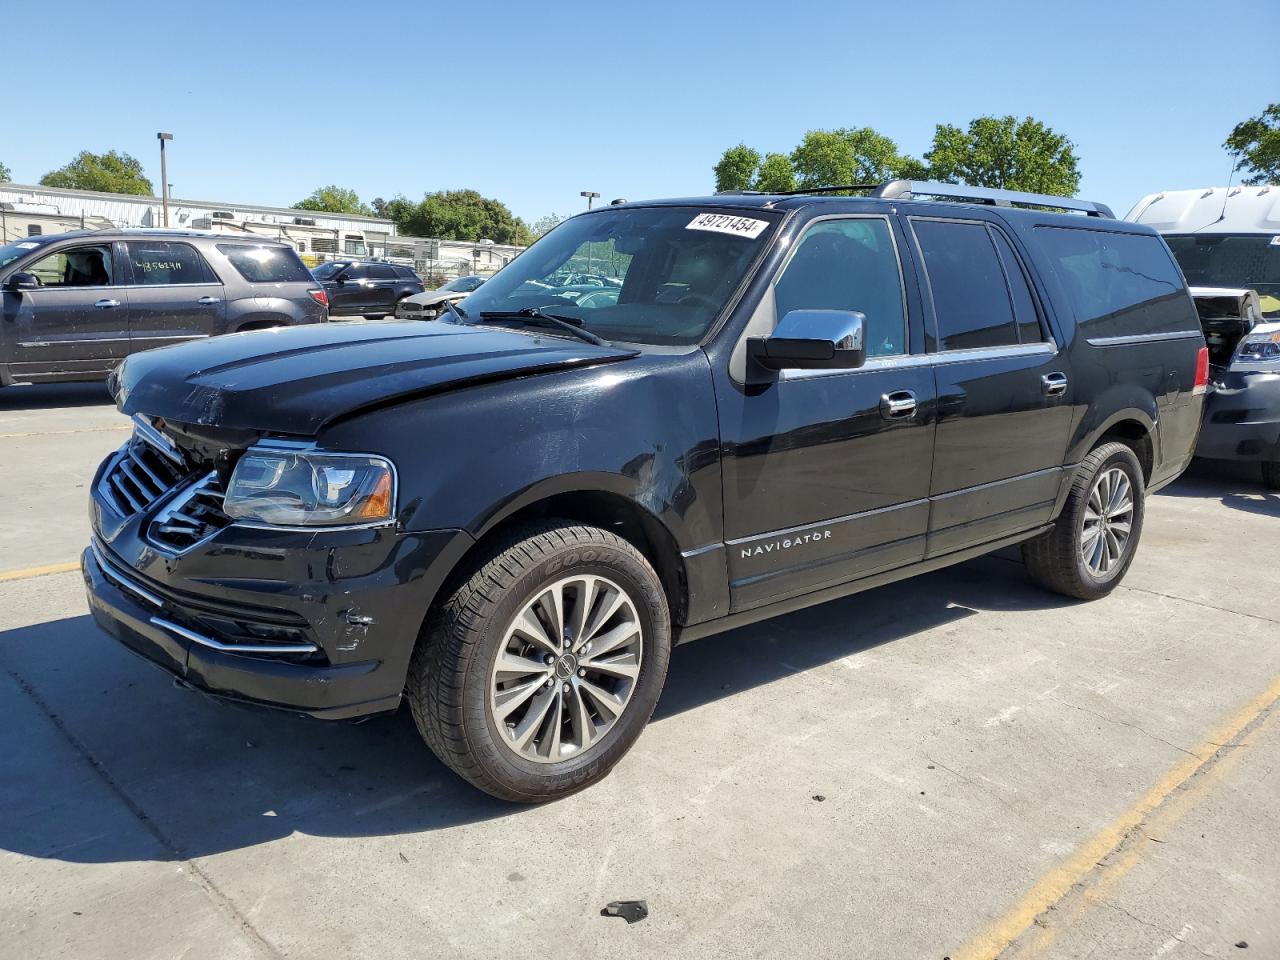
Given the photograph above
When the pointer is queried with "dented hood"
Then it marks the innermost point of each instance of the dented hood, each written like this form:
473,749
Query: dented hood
294,380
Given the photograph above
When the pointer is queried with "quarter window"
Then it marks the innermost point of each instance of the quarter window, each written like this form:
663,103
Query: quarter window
158,263
848,265
1024,303
970,298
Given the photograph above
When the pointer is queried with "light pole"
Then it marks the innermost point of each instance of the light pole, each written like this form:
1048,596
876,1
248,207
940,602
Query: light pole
164,176
590,195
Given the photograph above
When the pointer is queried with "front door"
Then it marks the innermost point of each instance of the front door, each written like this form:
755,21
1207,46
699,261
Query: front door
826,473
1004,414
381,288
348,294
174,294
74,325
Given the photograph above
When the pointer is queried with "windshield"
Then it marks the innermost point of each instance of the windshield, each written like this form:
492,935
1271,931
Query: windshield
12,251
656,275
1232,260
462,284
327,271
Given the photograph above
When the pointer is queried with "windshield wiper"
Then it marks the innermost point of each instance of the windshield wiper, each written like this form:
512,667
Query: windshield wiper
536,315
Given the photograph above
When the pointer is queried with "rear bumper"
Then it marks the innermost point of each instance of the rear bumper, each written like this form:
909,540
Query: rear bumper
1242,418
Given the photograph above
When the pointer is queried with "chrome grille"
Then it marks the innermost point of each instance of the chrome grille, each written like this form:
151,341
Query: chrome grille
141,473
192,516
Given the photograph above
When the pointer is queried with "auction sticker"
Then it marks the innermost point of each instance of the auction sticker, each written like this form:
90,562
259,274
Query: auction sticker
1275,241
728,223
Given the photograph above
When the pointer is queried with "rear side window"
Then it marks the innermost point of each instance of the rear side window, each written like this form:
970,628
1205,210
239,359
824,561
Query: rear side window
970,298
406,274
1024,304
265,264
381,271
157,263
1120,284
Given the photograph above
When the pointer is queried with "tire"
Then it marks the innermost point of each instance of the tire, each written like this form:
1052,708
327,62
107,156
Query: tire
1271,473
1056,560
457,692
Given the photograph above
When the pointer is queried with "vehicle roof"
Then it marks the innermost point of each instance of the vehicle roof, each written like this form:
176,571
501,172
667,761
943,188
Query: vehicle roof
1236,209
113,233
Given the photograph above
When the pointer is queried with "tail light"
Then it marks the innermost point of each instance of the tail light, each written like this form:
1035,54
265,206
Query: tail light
322,298
1202,371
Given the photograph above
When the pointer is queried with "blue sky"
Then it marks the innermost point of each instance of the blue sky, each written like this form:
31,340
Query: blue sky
533,102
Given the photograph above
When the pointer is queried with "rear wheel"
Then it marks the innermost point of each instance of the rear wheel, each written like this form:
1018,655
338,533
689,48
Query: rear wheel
539,672
1271,473
1092,543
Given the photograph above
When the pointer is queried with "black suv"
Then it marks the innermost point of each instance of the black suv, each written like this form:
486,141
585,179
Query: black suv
370,289
510,515
73,305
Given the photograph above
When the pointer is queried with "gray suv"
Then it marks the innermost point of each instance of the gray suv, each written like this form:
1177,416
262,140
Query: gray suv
74,305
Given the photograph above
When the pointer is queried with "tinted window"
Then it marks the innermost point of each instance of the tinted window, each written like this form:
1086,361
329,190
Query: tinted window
265,264
327,271
381,271
88,266
1024,304
157,262
1120,284
405,273
355,271
1232,260
848,265
970,298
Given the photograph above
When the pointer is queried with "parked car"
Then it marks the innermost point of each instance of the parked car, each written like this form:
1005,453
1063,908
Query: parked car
366,288
429,305
510,516
1227,241
73,305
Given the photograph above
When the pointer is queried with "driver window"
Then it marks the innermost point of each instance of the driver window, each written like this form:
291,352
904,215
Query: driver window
76,267
849,265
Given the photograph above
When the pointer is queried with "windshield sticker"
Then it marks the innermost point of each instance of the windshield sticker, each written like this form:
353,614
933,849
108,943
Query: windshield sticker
1275,241
728,223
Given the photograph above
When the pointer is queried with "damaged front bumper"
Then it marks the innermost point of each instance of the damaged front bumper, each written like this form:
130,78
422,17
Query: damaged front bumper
316,623
1242,417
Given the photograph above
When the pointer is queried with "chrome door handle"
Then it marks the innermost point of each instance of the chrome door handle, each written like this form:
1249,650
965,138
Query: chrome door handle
1054,384
208,301
107,304
898,405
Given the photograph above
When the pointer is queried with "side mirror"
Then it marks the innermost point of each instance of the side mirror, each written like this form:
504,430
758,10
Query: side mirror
341,278
813,340
22,281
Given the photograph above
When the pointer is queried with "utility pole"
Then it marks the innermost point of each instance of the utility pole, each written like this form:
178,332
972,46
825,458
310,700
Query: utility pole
164,176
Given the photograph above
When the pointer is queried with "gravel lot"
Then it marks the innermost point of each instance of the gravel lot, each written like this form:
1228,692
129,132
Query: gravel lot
956,766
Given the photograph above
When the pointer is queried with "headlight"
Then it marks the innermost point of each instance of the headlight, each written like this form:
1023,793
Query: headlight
1259,346
304,488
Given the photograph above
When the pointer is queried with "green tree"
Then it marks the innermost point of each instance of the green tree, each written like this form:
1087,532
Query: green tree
334,199
109,172
1005,153
1255,144
398,209
466,215
775,174
545,224
737,168
5,175
827,158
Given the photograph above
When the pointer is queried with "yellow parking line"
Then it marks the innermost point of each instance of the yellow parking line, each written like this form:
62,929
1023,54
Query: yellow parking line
39,571
1058,882
58,433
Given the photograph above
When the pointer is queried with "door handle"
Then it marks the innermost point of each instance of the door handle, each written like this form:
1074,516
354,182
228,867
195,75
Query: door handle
1054,384
208,301
898,405
107,304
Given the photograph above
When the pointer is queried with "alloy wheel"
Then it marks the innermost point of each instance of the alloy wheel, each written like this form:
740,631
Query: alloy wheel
566,669
1108,522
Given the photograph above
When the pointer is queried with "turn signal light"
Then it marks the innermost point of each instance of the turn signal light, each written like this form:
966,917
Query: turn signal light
1202,371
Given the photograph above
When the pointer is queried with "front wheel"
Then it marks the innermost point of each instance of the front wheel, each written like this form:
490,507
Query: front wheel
1092,543
1271,473
539,672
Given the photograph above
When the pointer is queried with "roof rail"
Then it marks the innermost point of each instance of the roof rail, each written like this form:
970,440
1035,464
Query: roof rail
907,189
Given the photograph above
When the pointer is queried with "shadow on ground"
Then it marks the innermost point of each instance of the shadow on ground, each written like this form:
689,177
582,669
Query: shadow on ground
46,396
109,762
1233,483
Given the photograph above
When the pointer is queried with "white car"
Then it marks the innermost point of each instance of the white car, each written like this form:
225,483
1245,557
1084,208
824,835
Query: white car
429,305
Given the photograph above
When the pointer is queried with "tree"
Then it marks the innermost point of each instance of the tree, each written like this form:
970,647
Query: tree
737,168
334,199
1005,153
398,209
5,175
109,172
1255,144
545,224
775,174
466,215
827,158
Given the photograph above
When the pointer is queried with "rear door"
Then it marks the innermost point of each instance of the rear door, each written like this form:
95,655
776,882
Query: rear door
381,287
73,325
173,294
1003,386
